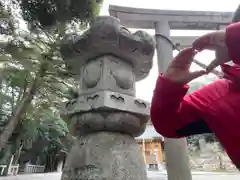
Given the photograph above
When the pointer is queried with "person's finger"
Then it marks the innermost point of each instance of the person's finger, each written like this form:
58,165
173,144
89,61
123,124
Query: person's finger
184,57
184,53
194,75
210,41
204,42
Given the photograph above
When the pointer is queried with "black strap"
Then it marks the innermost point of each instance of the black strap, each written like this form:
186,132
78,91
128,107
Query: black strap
194,128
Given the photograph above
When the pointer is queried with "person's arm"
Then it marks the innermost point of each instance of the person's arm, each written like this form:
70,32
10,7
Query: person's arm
233,42
175,114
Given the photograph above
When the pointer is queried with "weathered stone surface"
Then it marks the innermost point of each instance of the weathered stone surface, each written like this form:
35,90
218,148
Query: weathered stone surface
107,73
107,36
105,156
106,116
106,101
123,122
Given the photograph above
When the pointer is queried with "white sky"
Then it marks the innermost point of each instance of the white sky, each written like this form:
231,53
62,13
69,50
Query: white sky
145,87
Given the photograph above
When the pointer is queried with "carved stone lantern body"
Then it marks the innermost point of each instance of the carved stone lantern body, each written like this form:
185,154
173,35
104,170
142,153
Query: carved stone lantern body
107,60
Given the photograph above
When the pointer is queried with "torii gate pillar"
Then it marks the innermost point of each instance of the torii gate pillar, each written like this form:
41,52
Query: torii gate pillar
175,149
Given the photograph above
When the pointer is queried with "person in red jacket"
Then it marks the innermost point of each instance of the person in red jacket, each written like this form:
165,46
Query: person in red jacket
215,108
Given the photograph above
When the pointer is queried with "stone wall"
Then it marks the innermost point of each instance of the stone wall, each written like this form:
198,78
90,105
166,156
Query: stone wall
211,158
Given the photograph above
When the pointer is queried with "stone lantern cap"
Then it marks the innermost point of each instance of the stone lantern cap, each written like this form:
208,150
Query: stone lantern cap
107,37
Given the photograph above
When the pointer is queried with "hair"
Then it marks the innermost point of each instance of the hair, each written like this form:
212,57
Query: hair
236,15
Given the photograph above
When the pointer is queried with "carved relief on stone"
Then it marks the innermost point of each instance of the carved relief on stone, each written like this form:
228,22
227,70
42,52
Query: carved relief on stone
124,79
140,104
123,75
107,36
122,122
117,98
92,74
108,73
106,100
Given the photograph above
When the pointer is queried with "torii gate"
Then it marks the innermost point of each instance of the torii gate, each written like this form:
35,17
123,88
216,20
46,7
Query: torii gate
162,21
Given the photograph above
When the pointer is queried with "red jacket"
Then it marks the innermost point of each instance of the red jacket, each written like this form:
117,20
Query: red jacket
213,108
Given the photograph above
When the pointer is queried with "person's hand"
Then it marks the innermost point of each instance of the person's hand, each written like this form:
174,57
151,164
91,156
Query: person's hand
178,70
213,41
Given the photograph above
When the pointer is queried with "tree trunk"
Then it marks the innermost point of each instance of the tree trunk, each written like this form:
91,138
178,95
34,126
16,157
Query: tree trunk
21,108
1,99
19,112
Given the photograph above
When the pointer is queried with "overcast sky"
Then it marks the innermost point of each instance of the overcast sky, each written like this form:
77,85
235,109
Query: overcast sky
146,86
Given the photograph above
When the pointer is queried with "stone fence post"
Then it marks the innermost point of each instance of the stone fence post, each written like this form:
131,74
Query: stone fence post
107,60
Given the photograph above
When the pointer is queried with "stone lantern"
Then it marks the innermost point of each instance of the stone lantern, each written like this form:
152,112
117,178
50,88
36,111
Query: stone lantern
107,60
